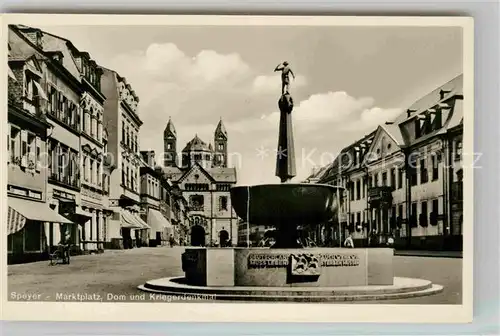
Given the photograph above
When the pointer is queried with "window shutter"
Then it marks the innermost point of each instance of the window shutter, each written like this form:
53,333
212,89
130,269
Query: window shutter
24,148
38,151
8,143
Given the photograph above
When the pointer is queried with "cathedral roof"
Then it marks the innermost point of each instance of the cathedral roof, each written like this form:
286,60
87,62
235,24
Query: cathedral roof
221,129
222,175
170,127
196,145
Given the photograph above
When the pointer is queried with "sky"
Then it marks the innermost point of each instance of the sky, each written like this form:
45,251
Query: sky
349,80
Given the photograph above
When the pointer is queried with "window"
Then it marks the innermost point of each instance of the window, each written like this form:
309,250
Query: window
423,215
15,144
435,170
363,188
221,146
132,179
358,218
169,146
24,148
123,131
222,203
50,158
418,130
413,218
424,177
91,167
123,174
84,166
99,129
98,171
127,137
196,202
435,211
197,157
127,177
393,178
358,189
384,179
400,211
351,190
31,150
458,150
375,180
400,178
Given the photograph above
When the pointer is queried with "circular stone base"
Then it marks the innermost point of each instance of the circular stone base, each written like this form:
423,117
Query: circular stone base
402,288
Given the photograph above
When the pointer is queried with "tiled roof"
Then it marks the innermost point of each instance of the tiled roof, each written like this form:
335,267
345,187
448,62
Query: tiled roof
196,144
173,173
56,43
221,129
170,127
223,174
455,86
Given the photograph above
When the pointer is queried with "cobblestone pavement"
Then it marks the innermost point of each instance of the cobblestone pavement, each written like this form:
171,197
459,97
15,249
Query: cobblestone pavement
115,275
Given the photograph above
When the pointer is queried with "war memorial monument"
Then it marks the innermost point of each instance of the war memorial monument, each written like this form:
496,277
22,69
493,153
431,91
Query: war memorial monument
289,270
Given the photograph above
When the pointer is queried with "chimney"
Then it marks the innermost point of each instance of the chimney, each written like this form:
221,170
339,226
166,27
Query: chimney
409,112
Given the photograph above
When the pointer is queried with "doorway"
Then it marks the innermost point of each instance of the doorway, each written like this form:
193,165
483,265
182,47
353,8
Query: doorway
197,235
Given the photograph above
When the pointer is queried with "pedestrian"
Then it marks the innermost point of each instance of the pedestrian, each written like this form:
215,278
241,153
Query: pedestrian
348,241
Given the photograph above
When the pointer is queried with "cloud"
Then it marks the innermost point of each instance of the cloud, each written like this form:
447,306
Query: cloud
267,84
198,89
167,63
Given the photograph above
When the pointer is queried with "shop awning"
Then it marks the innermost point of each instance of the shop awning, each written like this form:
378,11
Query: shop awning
21,210
82,216
139,220
128,220
157,220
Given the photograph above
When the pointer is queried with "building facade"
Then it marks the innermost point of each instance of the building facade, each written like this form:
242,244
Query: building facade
34,226
156,201
404,179
126,228
204,179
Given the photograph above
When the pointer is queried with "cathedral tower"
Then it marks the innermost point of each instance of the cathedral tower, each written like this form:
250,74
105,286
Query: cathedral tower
170,145
220,143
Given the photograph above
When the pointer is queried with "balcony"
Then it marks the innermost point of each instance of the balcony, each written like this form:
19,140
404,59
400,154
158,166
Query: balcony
380,196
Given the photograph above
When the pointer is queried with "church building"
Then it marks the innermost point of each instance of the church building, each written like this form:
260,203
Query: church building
202,174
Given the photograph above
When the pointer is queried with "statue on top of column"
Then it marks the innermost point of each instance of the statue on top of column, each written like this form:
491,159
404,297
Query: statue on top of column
286,71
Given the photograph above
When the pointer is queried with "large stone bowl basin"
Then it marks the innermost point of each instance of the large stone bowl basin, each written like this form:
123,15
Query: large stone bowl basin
285,204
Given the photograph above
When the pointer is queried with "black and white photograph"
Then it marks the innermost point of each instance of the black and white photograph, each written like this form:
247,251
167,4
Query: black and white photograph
290,162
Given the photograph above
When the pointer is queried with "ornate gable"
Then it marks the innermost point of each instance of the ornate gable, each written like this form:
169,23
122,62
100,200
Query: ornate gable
196,175
384,144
